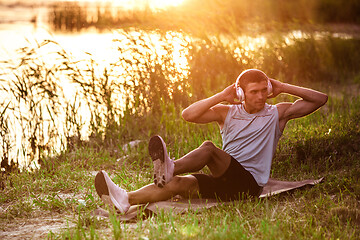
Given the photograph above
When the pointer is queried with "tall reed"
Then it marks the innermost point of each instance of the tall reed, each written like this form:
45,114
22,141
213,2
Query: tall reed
6,144
31,85
138,94
75,16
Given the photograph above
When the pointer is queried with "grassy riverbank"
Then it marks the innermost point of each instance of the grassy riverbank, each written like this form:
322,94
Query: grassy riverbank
56,201
323,144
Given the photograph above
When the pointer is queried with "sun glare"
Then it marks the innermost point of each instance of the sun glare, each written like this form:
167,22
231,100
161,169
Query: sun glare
165,3
131,4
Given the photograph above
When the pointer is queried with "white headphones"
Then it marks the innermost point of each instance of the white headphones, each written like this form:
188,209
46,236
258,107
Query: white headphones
240,92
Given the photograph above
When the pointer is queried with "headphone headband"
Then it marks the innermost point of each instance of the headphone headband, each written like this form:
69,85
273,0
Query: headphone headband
240,92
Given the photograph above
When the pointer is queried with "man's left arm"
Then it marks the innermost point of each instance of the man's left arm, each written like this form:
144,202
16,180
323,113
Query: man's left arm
310,100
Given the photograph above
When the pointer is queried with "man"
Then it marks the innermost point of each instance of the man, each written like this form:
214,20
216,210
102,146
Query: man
250,130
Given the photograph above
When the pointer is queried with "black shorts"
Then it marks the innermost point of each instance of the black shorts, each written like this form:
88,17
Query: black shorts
236,183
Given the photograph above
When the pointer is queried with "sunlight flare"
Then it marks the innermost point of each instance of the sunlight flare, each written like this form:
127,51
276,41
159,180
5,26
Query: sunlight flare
133,4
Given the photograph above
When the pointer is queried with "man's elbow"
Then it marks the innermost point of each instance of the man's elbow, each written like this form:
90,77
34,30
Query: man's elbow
186,116
323,99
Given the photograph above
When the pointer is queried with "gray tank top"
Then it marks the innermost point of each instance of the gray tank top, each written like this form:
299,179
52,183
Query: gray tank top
252,139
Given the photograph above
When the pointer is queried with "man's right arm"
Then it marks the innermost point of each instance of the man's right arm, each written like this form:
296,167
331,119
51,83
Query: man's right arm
209,109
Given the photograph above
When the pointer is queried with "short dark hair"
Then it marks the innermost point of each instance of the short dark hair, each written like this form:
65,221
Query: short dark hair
251,76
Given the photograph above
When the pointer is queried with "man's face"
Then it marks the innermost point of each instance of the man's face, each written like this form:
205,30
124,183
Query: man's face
255,96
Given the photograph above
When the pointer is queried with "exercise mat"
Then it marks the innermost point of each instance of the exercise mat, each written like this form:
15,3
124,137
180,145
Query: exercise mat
179,205
274,186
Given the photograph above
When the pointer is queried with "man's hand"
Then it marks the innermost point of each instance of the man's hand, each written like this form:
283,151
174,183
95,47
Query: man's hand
276,87
309,101
229,94
209,109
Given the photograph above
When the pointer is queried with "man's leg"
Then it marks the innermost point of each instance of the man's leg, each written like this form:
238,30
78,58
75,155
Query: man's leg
186,186
206,155
112,194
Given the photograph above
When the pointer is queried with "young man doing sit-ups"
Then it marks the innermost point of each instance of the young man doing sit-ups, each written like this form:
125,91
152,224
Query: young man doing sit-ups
250,130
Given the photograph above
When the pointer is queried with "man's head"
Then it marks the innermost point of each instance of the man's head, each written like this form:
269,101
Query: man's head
256,88
250,76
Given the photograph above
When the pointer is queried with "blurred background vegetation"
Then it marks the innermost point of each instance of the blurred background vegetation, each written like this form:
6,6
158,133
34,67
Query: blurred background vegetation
226,16
142,92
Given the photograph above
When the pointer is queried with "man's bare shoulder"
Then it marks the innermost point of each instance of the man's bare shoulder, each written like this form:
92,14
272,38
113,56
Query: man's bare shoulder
282,107
222,110
222,107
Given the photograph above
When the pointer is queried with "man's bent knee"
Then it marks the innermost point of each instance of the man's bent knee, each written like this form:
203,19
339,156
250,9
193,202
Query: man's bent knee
208,145
186,186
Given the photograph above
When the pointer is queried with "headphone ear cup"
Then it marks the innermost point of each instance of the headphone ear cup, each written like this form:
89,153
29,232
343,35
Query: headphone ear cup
240,94
270,89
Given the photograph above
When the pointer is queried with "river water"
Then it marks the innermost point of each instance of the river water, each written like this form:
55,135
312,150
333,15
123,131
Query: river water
26,25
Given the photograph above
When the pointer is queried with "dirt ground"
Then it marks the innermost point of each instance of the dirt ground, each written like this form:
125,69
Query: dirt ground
35,228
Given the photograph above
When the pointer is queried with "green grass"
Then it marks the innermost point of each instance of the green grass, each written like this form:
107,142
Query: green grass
306,150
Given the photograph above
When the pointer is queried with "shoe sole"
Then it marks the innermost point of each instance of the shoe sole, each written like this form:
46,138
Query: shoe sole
156,151
100,184
102,189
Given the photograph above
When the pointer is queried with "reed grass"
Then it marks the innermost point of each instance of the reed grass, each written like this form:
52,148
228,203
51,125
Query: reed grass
146,86
75,16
